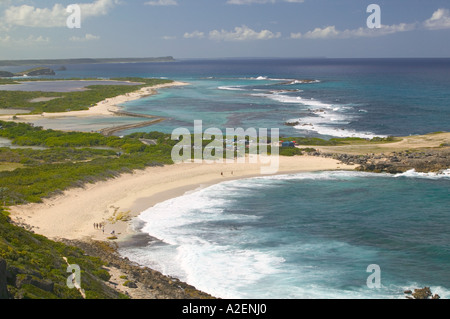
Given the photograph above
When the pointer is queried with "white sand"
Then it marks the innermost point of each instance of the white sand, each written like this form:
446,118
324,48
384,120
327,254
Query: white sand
105,107
73,214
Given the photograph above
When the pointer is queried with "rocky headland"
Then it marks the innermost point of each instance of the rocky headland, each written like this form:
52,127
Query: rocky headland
134,280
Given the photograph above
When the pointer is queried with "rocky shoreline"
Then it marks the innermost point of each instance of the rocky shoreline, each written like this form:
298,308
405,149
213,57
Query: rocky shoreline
140,282
136,281
146,283
431,160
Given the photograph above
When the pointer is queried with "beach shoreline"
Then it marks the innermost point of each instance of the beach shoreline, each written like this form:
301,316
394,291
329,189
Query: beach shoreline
73,217
114,203
107,107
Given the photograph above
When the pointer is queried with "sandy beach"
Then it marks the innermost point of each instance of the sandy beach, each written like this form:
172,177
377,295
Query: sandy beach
106,107
115,202
73,214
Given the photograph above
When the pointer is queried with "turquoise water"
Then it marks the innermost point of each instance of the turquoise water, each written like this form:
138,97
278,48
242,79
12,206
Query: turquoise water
309,235
306,235
347,97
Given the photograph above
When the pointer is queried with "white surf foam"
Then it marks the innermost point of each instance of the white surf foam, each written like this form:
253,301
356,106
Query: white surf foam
231,88
330,119
197,253
431,175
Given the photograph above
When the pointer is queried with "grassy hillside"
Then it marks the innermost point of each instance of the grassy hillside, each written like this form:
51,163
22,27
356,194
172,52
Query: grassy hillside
36,269
71,160
35,266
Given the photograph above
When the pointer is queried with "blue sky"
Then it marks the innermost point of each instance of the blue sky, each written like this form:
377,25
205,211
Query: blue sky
224,28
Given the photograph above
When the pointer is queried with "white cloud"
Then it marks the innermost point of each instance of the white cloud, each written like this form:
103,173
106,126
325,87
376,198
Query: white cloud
439,20
169,37
87,37
30,16
29,41
330,32
162,3
195,34
242,33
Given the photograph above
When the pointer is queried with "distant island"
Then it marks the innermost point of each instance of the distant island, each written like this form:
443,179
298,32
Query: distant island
6,74
36,72
84,61
31,72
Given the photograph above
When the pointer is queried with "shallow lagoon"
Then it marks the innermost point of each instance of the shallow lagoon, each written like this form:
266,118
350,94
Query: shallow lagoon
59,86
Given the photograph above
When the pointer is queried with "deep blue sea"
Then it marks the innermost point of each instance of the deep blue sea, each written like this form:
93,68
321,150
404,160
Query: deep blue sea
309,235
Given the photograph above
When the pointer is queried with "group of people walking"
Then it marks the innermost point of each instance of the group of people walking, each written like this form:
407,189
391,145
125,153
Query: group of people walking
100,226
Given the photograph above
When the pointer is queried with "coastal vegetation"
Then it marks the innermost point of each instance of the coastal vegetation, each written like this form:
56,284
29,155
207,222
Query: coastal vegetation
70,101
71,159
39,71
6,74
34,267
7,80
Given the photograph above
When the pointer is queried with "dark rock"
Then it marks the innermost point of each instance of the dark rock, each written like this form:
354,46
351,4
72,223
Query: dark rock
408,292
130,284
423,293
11,274
34,281
432,161
153,282
3,280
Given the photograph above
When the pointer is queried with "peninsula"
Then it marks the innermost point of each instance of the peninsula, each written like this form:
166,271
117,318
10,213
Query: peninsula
57,187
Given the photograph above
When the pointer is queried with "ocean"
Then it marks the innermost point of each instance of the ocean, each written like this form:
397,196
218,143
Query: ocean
328,97
309,235
300,236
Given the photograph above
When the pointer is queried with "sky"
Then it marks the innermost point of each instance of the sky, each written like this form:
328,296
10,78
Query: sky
224,28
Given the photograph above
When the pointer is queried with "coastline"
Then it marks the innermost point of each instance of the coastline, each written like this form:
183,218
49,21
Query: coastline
115,202
70,217
107,107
